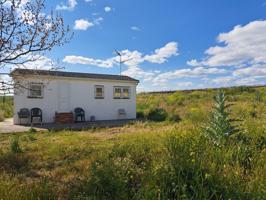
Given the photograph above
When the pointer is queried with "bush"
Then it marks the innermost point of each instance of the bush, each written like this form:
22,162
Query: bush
157,114
140,115
174,118
2,116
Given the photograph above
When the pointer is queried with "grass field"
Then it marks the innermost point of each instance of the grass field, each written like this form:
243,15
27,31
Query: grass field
170,159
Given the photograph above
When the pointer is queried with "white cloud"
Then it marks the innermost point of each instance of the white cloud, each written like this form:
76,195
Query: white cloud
70,6
255,70
82,24
222,80
131,58
184,84
163,78
250,81
240,47
135,28
193,63
243,49
88,1
98,20
89,61
139,73
107,9
161,55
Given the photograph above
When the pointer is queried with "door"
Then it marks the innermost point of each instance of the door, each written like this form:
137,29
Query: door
63,96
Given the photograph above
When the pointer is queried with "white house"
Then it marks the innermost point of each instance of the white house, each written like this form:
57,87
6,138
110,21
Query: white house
101,96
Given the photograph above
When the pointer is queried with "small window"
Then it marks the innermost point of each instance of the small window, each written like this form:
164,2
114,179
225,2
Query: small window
36,90
117,92
126,93
99,92
121,92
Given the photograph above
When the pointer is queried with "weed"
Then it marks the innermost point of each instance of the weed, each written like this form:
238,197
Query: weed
15,147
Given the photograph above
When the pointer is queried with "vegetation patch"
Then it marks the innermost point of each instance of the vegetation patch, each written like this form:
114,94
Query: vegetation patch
187,155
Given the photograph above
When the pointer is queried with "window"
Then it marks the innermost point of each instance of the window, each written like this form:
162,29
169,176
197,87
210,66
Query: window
117,93
126,93
35,90
99,91
121,92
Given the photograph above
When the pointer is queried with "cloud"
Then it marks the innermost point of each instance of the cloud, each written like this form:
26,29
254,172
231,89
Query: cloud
70,6
131,58
161,55
98,20
139,73
107,9
256,70
240,47
89,61
222,80
163,78
184,84
193,63
243,51
82,24
135,28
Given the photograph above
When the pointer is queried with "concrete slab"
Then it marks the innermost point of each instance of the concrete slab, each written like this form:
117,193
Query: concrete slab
7,126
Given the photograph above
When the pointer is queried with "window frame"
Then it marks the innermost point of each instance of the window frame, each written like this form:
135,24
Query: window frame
30,95
95,91
122,92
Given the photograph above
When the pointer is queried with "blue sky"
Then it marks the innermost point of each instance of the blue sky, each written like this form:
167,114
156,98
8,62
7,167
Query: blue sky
172,44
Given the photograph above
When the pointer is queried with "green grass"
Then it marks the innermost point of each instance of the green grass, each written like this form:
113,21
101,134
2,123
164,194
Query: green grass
144,160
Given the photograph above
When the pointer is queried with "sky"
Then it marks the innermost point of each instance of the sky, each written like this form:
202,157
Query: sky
168,44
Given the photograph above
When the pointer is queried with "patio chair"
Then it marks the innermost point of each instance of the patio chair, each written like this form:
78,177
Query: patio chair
122,113
23,113
79,115
36,113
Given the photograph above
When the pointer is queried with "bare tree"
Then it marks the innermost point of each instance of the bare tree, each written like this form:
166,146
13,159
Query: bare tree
26,32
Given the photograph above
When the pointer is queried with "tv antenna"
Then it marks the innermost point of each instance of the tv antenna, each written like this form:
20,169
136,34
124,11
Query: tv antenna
120,60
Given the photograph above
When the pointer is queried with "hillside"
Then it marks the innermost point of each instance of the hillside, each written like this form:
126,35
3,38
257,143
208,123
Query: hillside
167,158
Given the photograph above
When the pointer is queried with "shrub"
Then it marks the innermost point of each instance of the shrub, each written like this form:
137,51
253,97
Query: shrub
140,115
174,118
2,116
157,114
15,147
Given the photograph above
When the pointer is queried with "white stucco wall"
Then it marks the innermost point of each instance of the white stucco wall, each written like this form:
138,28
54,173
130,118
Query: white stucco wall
75,92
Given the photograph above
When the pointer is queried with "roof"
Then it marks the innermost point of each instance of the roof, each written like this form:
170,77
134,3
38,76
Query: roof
71,74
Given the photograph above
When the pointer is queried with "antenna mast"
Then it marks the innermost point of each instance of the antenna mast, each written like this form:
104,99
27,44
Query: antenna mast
120,60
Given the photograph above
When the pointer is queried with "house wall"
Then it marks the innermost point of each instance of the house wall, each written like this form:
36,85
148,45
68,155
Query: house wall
65,94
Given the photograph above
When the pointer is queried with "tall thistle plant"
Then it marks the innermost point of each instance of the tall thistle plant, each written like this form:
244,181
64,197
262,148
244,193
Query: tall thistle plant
220,126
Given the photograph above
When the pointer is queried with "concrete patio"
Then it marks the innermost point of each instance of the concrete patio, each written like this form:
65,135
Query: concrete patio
7,126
